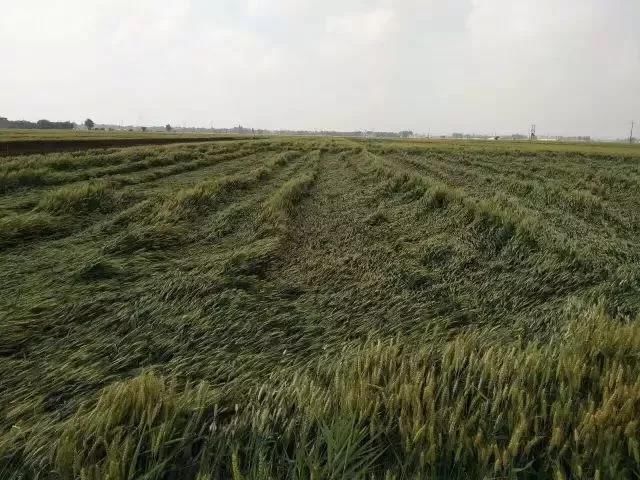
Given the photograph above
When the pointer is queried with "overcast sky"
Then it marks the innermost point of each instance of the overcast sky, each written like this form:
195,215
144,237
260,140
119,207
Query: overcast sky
570,66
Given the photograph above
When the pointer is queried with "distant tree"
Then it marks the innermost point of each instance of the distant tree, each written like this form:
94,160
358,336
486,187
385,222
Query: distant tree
144,129
89,124
168,127
46,124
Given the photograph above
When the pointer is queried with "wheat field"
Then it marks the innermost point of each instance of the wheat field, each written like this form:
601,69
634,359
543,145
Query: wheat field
317,308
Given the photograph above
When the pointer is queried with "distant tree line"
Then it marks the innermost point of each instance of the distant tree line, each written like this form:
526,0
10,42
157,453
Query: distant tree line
239,129
336,133
40,124
90,125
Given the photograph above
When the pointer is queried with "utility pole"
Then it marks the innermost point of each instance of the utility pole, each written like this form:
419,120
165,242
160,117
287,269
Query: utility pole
631,134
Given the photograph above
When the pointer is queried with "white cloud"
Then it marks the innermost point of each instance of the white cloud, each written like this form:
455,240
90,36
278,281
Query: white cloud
365,27
276,7
148,23
483,65
561,64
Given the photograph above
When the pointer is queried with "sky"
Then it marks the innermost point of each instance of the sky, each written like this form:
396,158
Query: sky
572,67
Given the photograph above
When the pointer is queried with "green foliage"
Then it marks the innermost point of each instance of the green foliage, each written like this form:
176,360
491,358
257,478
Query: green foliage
76,199
281,204
97,269
15,229
320,308
10,180
477,405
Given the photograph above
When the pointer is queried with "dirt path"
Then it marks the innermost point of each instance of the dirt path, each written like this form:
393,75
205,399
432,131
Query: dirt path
30,147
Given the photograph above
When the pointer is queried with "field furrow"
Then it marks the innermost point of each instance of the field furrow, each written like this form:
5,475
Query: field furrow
553,196
320,308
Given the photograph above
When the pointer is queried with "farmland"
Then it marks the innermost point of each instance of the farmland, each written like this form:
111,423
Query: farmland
321,308
24,142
